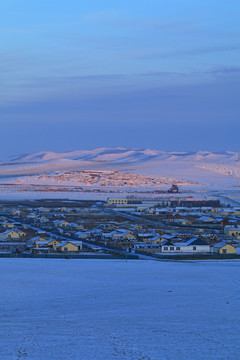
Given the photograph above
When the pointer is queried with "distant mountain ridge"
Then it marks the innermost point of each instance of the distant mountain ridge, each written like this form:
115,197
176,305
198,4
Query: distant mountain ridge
124,155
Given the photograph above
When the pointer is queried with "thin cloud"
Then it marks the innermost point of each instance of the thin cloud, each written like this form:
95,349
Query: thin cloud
190,52
229,70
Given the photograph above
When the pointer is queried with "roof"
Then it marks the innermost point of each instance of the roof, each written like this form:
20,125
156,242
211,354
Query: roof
47,242
167,236
10,230
36,238
167,243
78,242
81,232
123,230
144,235
64,243
195,241
154,238
221,244
109,234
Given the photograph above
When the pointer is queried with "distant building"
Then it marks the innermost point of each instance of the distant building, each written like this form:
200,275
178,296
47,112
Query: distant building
117,201
173,189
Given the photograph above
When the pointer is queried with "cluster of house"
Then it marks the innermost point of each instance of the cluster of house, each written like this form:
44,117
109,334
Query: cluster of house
67,223
158,243
39,244
13,238
192,216
192,245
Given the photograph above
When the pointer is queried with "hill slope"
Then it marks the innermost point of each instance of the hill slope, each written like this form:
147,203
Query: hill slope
208,168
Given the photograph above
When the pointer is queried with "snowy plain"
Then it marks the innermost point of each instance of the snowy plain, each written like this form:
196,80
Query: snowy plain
113,309
201,171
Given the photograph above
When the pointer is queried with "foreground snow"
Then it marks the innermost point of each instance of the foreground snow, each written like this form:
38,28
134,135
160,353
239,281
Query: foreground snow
96,309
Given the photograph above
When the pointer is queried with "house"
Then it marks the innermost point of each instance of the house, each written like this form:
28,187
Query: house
155,239
117,202
48,243
165,237
193,245
8,225
75,226
173,216
206,219
96,232
145,237
68,246
232,231
36,239
123,234
61,223
221,221
184,222
224,248
82,234
108,235
58,246
11,234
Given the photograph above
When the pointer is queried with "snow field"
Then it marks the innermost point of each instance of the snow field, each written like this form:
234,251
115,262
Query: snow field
97,309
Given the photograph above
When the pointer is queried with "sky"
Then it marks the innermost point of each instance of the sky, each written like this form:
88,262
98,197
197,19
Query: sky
145,74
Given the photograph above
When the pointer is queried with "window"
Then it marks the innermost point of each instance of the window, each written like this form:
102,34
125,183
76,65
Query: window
178,248
65,249
171,247
165,248
194,248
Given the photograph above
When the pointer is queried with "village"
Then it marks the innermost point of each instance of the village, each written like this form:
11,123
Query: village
141,228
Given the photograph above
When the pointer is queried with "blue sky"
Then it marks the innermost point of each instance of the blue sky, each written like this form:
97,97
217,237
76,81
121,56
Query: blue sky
155,74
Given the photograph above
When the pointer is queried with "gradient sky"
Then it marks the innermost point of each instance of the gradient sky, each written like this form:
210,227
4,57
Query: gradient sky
156,74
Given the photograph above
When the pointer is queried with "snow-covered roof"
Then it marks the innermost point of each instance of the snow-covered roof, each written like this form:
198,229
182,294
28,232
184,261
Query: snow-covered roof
145,235
221,244
195,241
36,238
167,236
154,238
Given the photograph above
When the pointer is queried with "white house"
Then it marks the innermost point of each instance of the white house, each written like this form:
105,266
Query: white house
193,245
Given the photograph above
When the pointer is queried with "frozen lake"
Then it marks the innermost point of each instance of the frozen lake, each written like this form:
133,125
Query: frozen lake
112,309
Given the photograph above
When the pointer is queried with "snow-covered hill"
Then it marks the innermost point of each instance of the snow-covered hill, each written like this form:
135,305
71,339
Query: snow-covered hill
122,155
219,170
97,155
